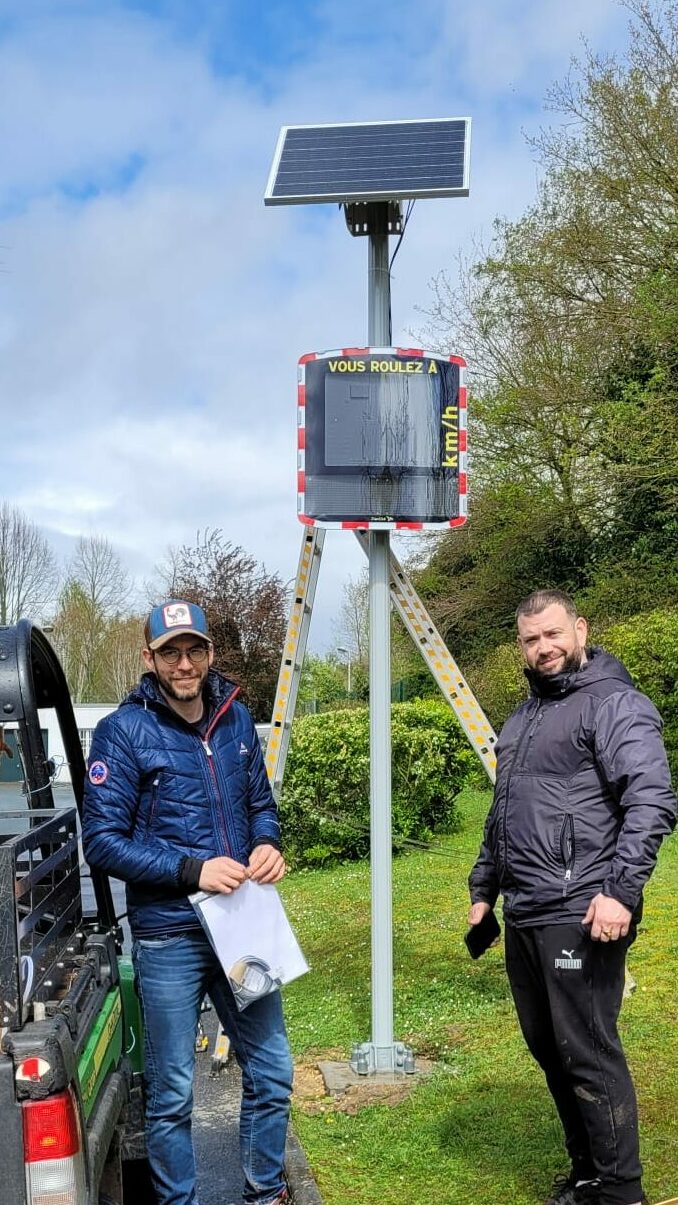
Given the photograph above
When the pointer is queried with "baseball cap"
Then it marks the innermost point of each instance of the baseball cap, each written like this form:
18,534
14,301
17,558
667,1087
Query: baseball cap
174,618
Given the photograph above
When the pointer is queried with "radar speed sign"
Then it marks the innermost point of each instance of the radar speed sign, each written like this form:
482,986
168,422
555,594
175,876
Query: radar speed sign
382,439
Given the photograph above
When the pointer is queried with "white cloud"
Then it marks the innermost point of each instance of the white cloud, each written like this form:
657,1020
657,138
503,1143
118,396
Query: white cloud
152,310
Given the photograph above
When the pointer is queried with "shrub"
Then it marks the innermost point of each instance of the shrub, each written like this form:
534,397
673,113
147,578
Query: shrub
499,683
648,646
325,804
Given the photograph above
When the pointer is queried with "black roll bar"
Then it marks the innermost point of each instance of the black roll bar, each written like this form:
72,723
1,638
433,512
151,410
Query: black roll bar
31,677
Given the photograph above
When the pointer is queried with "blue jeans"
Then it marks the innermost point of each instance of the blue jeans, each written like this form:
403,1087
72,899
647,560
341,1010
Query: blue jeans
173,976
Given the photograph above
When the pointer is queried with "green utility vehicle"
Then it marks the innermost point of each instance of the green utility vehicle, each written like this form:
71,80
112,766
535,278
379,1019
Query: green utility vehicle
71,1112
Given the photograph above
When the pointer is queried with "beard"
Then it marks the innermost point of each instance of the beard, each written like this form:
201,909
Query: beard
571,664
182,689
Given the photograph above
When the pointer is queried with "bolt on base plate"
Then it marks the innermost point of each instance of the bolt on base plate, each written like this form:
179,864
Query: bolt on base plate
368,1059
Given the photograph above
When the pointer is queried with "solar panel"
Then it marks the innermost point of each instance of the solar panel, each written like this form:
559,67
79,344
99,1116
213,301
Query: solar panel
374,161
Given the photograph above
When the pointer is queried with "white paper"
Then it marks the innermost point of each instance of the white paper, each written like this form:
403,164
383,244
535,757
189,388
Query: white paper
252,939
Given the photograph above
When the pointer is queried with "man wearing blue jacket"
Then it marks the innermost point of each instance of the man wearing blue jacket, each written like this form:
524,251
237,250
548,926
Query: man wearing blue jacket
177,799
582,802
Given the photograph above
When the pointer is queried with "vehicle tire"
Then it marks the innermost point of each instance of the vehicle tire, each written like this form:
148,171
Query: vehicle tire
137,1183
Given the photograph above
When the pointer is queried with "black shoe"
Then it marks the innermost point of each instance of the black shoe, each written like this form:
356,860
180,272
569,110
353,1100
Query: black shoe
565,1191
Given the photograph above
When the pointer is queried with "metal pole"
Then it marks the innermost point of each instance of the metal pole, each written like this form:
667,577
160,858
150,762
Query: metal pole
381,1053
378,279
379,308
380,802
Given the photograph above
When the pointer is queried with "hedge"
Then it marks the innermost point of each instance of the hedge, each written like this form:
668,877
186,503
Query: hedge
325,804
648,646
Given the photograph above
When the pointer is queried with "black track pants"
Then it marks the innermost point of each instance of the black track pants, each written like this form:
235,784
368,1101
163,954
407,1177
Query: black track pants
568,992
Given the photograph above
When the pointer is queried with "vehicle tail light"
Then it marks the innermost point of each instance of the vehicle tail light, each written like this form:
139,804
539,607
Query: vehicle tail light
53,1155
50,1128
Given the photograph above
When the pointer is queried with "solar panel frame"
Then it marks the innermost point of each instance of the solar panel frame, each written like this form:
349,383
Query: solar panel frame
335,137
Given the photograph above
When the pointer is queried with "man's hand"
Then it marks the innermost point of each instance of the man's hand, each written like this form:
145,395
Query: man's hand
609,920
222,874
266,864
477,912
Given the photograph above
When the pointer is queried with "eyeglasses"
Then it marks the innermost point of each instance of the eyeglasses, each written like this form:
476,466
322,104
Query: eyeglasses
196,654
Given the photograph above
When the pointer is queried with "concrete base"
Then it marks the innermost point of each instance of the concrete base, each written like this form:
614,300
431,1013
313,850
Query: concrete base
339,1077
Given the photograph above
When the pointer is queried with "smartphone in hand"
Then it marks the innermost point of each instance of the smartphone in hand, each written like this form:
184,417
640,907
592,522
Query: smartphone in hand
481,936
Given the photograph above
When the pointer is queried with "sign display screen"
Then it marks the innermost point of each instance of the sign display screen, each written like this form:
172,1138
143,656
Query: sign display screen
382,438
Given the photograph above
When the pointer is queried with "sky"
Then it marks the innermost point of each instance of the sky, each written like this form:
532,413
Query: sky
152,309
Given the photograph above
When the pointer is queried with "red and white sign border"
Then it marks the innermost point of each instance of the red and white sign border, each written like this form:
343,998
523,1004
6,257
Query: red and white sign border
378,525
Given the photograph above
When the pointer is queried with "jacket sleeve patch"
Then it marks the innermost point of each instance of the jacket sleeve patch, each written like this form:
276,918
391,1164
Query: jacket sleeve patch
98,773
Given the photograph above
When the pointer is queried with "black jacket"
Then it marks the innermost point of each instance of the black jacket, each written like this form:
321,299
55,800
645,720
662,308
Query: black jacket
582,801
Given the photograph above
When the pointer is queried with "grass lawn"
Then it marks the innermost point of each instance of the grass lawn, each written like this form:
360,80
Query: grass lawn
482,1128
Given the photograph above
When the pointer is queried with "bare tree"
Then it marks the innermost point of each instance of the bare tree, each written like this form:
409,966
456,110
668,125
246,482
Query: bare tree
28,570
96,567
353,625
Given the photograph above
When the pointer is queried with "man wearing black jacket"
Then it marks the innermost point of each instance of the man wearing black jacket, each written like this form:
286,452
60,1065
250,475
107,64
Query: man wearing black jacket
582,802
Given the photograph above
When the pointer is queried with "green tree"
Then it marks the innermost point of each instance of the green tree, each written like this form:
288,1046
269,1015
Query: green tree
322,684
89,623
122,655
101,656
570,324
519,535
79,635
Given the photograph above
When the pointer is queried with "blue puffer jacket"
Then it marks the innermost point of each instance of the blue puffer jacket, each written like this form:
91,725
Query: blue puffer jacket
157,794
